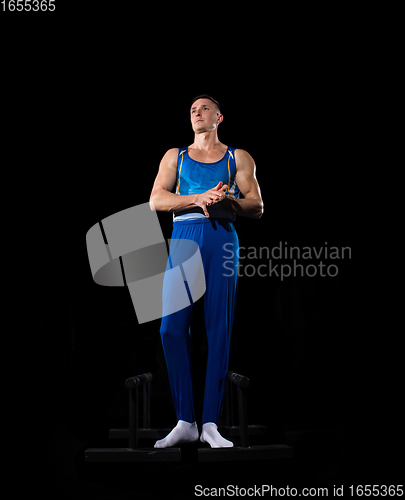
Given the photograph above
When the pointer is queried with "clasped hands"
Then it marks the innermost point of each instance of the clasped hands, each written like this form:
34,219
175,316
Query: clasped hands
210,197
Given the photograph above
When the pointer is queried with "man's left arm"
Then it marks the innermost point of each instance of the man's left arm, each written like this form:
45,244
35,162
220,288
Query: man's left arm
252,204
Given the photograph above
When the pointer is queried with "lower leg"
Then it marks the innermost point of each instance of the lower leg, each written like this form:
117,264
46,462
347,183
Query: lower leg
176,346
217,368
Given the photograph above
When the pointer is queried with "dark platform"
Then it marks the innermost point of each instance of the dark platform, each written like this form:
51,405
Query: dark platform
201,453
264,452
128,455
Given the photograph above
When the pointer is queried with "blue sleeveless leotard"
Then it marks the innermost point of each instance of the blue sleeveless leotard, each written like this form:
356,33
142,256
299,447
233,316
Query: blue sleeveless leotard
194,177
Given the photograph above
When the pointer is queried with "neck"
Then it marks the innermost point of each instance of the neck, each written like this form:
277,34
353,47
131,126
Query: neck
206,140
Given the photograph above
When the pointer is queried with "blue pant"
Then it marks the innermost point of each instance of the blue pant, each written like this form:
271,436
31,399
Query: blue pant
219,308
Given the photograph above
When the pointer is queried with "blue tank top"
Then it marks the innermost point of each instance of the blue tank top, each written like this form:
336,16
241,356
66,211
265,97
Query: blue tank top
194,177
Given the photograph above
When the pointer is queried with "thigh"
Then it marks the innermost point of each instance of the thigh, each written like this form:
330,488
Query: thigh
221,274
221,254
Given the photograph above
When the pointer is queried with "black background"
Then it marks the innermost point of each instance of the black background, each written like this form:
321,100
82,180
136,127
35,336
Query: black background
93,108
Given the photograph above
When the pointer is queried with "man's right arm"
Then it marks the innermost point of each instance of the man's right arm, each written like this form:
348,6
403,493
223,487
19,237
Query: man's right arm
162,199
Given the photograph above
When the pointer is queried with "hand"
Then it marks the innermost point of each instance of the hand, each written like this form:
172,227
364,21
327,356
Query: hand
221,190
211,196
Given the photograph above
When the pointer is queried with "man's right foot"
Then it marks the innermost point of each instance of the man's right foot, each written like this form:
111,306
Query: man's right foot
184,432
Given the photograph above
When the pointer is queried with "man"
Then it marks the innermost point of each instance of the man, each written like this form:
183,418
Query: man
208,178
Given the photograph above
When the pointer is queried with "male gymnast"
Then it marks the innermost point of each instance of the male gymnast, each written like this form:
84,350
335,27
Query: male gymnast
209,178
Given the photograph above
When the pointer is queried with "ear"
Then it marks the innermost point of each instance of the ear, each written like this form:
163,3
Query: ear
220,119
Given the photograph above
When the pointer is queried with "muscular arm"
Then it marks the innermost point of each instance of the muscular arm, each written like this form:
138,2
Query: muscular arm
162,199
252,204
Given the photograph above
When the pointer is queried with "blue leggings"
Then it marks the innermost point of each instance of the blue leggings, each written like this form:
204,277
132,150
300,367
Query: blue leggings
219,307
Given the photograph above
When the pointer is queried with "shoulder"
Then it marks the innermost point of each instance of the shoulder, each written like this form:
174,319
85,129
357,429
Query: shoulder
170,158
243,159
172,153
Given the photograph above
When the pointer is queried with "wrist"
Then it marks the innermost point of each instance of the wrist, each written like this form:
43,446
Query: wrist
227,201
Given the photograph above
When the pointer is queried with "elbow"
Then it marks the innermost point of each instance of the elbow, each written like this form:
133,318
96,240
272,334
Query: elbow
260,210
157,200
154,199
152,203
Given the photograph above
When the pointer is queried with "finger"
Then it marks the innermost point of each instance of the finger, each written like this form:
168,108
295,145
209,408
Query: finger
214,196
217,200
204,207
218,186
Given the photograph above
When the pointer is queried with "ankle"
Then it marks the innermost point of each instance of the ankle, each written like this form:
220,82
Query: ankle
210,425
184,424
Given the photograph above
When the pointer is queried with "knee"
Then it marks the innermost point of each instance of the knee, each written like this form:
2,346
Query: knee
170,333
164,331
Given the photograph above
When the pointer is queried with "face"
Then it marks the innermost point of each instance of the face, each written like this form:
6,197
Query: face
204,116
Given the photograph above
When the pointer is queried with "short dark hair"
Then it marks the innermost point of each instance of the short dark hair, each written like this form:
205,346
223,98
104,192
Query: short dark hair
206,96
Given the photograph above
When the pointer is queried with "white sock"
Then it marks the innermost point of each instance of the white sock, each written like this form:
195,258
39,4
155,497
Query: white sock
184,432
211,436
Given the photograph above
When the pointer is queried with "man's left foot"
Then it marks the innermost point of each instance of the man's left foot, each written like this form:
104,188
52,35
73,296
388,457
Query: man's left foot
211,436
